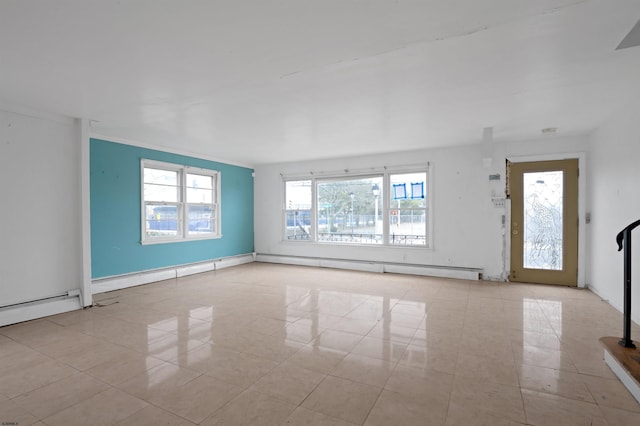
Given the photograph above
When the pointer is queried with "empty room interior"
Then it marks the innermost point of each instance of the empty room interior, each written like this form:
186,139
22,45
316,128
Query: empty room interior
384,212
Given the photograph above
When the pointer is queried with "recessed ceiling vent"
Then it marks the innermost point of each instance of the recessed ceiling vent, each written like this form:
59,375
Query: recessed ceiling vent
632,39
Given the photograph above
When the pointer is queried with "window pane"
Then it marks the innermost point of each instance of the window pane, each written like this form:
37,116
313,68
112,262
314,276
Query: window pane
162,193
349,210
543,197
161,177
161,185
407,205
200,219
298,224
407,227
161,221
408,190
199,181
298,210
198,195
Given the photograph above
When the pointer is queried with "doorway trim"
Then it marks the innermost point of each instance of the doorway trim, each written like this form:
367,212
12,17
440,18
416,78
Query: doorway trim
582,208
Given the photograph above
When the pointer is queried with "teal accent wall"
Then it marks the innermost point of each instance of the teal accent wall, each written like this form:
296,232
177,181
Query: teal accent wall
116,212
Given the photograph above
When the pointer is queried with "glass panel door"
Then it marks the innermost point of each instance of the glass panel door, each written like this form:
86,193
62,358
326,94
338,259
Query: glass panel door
544,222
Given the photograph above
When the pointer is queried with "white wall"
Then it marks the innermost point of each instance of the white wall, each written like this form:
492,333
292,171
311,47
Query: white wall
468,230
615,203
40,214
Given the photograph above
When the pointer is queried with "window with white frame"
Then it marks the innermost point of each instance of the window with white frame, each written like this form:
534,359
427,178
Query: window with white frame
179,202
384,208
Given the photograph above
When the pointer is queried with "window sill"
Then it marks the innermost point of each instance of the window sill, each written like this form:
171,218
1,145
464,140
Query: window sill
177,240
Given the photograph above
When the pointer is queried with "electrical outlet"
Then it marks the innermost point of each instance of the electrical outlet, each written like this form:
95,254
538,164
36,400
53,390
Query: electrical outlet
498,202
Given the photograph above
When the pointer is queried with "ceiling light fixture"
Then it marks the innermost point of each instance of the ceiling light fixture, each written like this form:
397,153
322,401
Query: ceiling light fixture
549,130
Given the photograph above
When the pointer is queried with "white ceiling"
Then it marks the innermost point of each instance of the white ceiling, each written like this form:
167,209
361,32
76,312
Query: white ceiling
260,81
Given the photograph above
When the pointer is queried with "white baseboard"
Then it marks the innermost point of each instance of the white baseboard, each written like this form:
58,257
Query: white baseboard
103,285
627,380
381,267
38,309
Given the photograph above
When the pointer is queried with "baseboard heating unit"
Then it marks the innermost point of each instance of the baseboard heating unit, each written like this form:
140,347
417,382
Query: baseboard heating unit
52,305
380,267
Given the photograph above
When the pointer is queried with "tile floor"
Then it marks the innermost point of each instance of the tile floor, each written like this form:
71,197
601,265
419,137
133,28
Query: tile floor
264,344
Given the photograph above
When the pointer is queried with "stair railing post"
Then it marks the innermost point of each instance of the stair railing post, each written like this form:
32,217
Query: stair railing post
624,240
626,340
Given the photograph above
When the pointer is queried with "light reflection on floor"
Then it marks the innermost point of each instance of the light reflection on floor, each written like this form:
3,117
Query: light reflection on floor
276,344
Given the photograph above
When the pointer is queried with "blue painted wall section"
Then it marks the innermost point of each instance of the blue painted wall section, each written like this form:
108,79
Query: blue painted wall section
116,212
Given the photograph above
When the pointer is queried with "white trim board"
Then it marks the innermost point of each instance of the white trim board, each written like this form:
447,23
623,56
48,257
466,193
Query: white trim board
380,267
40,308
627,380
103,285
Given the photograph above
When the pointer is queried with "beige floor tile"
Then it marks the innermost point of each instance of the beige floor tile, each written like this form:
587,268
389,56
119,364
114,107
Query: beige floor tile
242,370
438,339
297,333
57,396
36,333
557,382
91,356
196,399
154,416
251,408
498,369
116,371
75,342
317,358
10,347
183,325
617,417
429,386
273,347
387,350
73,317
368,310
531,338
461,416
13,414
338,340
395,409
362,369
157,380
136,314
430,358
545,409
342,398
350,325
304,417
173,346
268,326
33,377
289,383
611,393
541,357
479,397
106,408
403,320
394,333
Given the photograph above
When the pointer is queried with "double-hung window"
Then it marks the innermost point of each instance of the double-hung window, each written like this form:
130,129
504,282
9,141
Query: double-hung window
385,208
179,202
